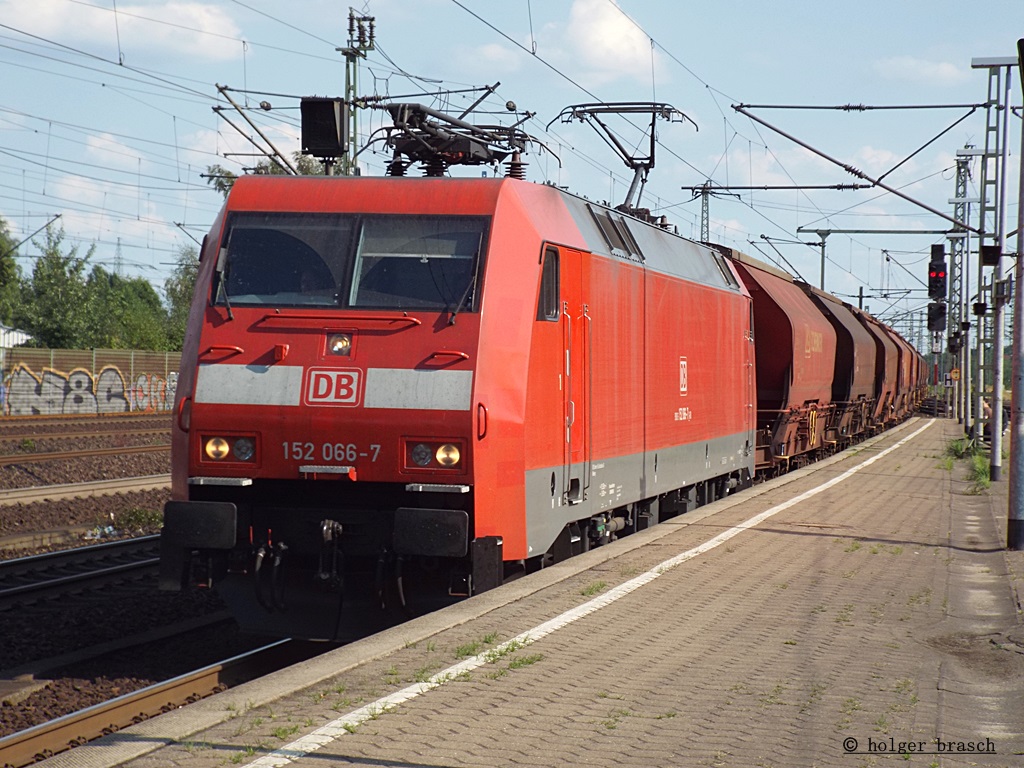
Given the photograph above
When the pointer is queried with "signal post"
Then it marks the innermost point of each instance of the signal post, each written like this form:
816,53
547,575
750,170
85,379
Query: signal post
1015,514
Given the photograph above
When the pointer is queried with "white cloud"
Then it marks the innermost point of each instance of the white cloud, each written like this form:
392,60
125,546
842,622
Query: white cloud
755,166
922,71
494,57
874,161
101,211
607,43
183,28
106,149
234,151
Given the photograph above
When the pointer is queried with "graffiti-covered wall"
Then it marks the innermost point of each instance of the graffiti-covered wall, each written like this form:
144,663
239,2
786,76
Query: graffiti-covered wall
112,381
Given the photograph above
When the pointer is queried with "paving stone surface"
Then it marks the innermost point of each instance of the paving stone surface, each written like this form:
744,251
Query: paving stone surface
877,622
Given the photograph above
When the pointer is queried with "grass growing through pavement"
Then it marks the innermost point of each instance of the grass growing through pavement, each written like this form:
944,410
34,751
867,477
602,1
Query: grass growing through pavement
978,472
977,463
961,449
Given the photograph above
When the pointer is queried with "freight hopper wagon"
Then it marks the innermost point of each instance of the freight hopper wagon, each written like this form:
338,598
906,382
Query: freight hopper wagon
399,391
906,377
887,357
796,360
853,379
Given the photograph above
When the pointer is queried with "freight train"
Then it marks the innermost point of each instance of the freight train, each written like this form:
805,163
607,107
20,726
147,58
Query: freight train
396,392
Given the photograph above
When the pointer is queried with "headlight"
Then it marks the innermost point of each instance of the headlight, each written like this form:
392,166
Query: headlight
243,449
230,448
447,455
433,455
340,344
421,454
217,448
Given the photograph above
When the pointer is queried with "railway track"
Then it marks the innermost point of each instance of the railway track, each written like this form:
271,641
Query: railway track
35,458
113,420
74,490
34,744
11,436
28,580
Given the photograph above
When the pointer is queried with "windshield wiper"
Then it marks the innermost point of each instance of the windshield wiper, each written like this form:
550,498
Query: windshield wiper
462,301
223,272
469,287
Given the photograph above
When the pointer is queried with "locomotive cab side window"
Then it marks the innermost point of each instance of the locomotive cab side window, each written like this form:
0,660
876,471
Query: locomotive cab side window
347,260
548,300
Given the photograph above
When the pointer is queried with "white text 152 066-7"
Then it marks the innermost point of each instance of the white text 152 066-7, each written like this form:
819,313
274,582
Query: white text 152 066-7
350,452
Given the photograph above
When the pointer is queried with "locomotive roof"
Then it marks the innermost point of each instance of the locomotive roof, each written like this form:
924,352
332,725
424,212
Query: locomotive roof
603,230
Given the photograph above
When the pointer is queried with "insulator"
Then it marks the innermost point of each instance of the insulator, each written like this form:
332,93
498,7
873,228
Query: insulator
397,168
435,166
516,167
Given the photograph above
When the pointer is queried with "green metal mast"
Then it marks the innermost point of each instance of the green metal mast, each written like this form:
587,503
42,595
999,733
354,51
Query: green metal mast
361,36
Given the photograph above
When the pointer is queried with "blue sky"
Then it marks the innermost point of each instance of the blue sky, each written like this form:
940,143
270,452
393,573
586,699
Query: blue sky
106,109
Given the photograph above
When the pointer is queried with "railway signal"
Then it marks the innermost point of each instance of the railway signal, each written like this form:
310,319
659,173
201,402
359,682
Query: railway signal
937,316
937,275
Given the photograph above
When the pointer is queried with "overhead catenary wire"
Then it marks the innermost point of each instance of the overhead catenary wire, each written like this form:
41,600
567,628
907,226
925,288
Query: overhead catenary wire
576,150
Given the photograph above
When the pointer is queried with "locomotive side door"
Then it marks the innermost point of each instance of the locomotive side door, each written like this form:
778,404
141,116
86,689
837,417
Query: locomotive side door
575,322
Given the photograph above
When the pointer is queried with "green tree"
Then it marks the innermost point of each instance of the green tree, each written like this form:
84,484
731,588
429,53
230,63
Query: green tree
178,290
55,307
128,313
10,275
221,179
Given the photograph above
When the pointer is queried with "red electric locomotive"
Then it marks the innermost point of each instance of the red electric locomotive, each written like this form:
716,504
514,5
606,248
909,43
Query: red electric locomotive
398,390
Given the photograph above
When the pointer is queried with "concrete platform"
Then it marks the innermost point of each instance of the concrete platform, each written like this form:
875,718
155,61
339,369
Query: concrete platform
858,612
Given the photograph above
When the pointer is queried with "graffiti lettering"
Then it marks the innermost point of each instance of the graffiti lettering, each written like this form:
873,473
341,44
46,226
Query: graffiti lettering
81,393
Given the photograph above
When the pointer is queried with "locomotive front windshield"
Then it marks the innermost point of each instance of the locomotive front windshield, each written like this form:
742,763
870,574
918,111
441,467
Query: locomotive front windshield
350,261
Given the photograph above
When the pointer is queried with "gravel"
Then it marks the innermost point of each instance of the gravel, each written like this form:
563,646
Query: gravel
81,685
84,469
46,631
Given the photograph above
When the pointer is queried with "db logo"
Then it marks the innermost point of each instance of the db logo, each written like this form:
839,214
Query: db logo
330,386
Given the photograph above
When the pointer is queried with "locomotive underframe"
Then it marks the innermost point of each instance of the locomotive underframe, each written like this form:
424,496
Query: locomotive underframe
312,568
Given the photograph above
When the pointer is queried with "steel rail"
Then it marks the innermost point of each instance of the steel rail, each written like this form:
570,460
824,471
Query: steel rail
45,740
95,488
28,579
68,418
36,458
35,436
